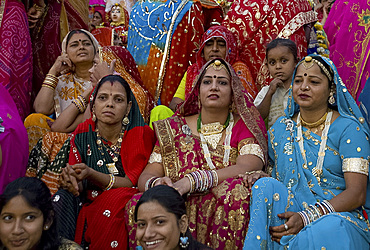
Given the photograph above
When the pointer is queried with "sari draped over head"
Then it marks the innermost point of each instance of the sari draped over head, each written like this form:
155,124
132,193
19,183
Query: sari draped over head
13,141
162,47
59,18
126,67
347,28
69,87
296,187
256,23
231,57
100,223
219,217
16,54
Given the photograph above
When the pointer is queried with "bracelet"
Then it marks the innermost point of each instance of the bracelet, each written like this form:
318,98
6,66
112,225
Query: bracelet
111,182
254,172
328,206
202,180
48,86
150,182
38,7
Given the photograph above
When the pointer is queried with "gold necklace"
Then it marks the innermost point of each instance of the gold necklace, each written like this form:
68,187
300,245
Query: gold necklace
316,123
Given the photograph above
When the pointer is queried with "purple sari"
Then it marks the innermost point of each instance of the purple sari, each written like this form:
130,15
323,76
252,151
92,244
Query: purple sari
13,141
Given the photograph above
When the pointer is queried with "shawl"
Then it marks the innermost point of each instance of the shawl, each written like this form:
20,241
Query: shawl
256,23
347,28
16,54
241,100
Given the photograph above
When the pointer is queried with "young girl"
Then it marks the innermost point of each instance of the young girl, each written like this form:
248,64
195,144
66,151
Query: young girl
281,57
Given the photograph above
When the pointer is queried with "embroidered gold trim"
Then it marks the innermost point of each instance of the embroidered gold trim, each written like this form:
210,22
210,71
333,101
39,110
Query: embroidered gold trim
252,149
155,157
356,165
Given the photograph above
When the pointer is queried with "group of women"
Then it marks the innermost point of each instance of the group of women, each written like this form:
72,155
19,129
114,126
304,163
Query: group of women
201,179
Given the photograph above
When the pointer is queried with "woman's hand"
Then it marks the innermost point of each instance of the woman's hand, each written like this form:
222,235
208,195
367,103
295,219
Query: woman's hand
250,179
34,14
101,69
294,224
81,171
68,181
62,65
163,181
182,186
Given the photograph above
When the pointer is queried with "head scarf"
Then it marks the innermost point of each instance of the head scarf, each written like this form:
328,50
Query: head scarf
231,52
243,105
345,103
101,10
134,116
92,38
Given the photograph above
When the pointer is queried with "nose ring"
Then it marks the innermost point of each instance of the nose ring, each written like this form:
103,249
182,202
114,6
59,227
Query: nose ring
307,87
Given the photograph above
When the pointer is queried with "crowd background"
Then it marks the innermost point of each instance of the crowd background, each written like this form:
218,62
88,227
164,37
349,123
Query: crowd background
54,54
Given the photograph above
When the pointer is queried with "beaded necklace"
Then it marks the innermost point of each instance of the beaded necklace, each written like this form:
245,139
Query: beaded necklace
212,131
229,125
113,150
317,170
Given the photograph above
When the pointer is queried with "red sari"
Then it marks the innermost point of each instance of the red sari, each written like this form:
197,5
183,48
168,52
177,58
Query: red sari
256,23
16,54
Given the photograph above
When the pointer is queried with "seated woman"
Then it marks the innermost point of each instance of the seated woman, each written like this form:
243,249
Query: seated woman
161,211
319,151
216,135
66,88
28,219
107,155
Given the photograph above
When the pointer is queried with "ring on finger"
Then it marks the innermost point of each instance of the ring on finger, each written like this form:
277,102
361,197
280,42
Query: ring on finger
64,63
286,227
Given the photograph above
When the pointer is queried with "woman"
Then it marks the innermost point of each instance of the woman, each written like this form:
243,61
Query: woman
16,54
351,60
161,220
51,21
222,137
255,24
319,152
13,141
66,88
108,153
27,217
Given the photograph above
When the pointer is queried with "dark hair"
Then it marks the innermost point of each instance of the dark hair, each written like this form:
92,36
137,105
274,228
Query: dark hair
37,195
111,79
284,43
70,34
173,202
98,13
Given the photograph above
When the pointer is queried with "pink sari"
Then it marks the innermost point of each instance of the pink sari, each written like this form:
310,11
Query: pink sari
13,141
347,28
218,217
16,54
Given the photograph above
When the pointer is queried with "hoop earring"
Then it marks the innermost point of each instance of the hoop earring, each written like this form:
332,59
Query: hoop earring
331,98
184,241
125,121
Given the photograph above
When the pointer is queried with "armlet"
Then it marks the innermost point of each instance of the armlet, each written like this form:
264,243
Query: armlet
356,165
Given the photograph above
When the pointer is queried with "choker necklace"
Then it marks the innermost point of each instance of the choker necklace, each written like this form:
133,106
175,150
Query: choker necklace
316,123
227,147
317,170
212,132
113,150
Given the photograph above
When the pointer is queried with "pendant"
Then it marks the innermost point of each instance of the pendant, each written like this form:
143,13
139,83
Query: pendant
213,140
88,150
100,163
112,168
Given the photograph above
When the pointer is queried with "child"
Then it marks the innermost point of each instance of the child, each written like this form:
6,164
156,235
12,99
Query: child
281,57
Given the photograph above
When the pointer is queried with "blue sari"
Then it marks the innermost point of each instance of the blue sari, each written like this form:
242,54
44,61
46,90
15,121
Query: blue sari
294,187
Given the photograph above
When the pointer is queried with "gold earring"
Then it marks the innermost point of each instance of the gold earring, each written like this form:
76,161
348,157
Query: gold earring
331,98
93,116
125,121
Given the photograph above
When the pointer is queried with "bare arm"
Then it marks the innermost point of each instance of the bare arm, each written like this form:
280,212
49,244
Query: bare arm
151,170
174,103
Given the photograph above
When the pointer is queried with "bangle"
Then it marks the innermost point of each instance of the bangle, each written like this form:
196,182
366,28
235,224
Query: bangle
111,182
150,182
48,86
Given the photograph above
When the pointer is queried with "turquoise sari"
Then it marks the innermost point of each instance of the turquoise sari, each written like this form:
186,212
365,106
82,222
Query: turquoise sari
294,187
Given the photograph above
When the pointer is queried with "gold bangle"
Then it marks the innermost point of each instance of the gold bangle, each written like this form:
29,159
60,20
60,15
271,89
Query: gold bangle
48,86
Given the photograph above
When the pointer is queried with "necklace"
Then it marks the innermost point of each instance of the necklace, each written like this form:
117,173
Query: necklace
212,132
317,170
113,150
230,124
316,123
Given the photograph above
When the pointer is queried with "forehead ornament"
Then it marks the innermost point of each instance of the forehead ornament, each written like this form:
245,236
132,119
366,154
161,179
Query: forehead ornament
309,61
217,65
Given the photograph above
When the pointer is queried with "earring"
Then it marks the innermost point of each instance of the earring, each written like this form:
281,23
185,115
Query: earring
184,241
93,117
46,227
331,98
125,121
